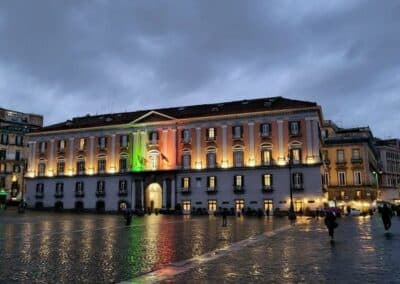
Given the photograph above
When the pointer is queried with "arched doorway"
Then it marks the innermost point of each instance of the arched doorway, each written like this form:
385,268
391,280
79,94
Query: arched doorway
153,196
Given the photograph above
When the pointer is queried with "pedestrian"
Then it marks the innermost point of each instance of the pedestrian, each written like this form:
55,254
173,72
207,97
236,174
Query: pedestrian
224,218
386,217
128,216
330,222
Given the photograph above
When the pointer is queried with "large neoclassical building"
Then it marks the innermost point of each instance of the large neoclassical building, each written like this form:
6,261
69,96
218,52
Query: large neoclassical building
241,154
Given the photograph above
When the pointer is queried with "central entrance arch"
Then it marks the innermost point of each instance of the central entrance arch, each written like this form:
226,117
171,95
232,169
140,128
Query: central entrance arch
153,196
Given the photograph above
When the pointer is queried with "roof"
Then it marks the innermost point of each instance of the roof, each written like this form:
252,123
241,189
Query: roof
182,112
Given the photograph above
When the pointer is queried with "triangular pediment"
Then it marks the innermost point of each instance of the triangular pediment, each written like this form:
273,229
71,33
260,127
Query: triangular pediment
153,116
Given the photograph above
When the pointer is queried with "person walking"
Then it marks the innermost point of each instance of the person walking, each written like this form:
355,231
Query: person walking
330,223
386,217
224,218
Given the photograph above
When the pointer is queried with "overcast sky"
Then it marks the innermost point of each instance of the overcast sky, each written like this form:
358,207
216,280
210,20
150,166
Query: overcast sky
69,58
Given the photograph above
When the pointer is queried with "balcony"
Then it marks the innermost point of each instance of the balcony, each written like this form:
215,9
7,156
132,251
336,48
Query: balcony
211,190
100,194
298,187
340,163
58,195
79,195
39,196
186,191
356,160
327,162
239,189
123,193
267,189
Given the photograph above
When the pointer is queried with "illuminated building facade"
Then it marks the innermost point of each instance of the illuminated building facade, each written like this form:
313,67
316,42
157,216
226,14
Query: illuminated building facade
227,155
351,166
389,174
13,150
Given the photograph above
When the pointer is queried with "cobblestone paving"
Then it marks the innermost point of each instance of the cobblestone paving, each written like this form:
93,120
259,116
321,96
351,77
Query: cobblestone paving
361,253
45,247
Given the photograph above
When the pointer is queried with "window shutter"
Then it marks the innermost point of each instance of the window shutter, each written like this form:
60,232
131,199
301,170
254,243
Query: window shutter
241,131
208,181
188,182
207,132
242,181
271,181
215,181
262,180
120,140
182,182
234,180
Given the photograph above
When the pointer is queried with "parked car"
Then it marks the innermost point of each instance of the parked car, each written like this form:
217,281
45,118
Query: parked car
355,212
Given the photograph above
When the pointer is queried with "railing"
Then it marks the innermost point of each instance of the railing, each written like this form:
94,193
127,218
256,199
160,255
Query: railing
238,189
267,189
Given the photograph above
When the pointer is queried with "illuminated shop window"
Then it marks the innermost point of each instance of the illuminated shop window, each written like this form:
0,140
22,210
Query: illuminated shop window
239,205
186,205
212,205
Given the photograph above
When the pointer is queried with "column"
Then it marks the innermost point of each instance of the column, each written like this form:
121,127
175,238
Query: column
173,190
309,139
198,148
133,194
31,158
224,162
173,148
316,143
112,164
143,148
51,160
164,192
280,140
252,161
164,149
71,156
91,155
142,193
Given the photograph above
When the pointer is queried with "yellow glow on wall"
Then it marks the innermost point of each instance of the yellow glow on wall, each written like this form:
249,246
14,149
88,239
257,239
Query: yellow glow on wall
112,170
311,160
281,162
70,172
50,173
30,174
198,165
224,164
251,163
14,178
90,171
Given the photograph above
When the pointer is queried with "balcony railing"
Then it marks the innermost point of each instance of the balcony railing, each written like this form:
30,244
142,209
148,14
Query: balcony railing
185,191
79,195
39,196
238,189
100,194
211,190
298,187
59,195
267,189
123,193
356,160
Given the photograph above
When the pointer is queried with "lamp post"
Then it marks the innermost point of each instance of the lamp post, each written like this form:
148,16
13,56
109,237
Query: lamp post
292,214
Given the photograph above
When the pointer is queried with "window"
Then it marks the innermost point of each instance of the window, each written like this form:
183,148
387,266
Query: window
2,182
154,158
42,147
42,169
326,178
238,182
265,130
79,190
80,165
123,163
154,137
101,186
211,183
186,135
3,155
295,155
238,158
60,167
102,142
298,205
268,206
82,144
342,178
61,145
212,205
101,165
59,189
211,133
123,187
239,205
18,140
237,132
17,155
39,190
266,157
186,205
185,183
355,154
123,140
340,156
297,180
186,160
267,181
294,128
357,178
2,168
211,158
4,138
358,194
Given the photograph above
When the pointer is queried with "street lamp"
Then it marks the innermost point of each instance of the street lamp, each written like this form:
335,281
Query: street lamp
292,214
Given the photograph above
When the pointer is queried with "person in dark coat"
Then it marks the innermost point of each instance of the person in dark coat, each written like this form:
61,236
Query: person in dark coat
128,216
386,217
330,223
224,217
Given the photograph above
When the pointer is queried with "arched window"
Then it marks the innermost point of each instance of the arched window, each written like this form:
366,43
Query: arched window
186,159
123,163
101,164
238,156
154,159
60,166
295,152
266,154
80,165
211,157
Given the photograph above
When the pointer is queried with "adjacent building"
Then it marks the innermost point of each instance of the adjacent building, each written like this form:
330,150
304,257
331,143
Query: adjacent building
234,155
351,166
389,172
13,150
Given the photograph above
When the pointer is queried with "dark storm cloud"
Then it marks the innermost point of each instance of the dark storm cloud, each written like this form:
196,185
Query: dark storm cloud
68,58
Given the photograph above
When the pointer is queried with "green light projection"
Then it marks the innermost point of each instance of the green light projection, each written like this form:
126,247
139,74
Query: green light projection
138,151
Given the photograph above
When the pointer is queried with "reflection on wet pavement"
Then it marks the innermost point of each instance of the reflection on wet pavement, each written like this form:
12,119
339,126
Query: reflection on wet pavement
66,248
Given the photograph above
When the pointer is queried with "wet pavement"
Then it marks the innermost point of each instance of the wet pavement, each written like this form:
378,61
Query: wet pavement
47,247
